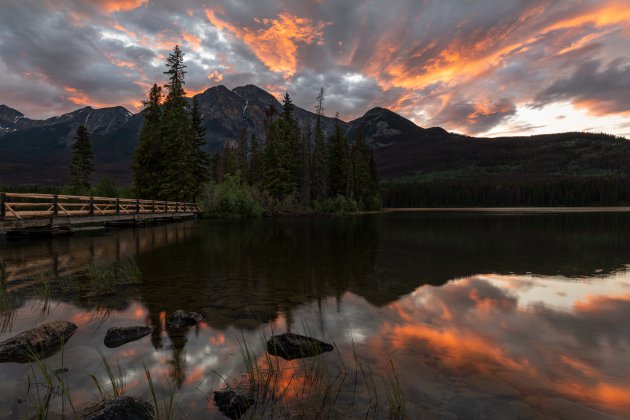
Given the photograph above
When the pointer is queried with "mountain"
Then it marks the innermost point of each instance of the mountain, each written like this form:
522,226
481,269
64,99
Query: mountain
38,151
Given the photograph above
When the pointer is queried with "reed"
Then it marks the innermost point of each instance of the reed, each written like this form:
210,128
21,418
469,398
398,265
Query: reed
48,390
394,394
116,377
323,386
101,277
165,405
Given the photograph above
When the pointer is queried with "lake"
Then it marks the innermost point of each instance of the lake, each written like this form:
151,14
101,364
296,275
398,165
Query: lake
432,314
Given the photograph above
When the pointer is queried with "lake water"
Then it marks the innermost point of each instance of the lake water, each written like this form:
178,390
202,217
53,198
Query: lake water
480,315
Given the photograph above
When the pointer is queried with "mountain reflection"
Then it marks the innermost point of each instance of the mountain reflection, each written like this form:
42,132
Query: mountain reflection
276,265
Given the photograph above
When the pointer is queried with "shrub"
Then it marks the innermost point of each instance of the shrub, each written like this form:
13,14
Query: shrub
231,197
336,205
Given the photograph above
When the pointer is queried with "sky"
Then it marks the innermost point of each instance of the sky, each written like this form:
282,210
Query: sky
479,67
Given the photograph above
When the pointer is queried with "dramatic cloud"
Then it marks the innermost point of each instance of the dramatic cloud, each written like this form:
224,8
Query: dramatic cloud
496,67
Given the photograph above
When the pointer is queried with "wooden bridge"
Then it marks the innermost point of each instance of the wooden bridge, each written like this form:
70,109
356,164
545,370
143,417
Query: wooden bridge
55,213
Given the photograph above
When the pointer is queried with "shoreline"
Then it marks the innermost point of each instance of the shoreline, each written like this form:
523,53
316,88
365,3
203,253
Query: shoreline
621,209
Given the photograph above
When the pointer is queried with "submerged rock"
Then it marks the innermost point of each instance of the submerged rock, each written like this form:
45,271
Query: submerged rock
291,346
125,407
37,343
180,319
117,336
232,403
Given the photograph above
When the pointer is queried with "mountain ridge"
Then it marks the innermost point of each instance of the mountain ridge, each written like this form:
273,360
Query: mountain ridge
38,151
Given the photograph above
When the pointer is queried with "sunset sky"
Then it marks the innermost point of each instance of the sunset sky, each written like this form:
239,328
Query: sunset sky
483,67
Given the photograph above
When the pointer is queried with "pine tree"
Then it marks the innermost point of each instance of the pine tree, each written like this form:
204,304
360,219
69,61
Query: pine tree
305,165
338,162
216,167
361,176
241,144
255,162
229,160
280,156
148,163
81,167
177,136
319,164
200,159
375,200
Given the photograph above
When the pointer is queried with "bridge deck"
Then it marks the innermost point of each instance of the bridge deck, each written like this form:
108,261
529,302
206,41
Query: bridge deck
37,211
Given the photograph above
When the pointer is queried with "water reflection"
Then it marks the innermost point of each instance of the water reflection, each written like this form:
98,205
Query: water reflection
485,316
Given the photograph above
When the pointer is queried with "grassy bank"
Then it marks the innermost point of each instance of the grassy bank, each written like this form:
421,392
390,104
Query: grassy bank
232,198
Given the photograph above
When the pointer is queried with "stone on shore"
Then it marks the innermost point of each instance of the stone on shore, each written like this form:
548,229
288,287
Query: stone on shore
125,407
181,318
291,346
232,403
117,336
37,343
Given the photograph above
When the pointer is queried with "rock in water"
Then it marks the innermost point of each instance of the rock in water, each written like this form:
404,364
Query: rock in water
117,336
40,342
120,408
180,319
291,346
231,403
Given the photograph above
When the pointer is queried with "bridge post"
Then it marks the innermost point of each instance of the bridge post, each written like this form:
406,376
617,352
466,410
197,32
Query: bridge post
137,206
117,206
91,213
165,206
55,205
3,210
153,206
176,207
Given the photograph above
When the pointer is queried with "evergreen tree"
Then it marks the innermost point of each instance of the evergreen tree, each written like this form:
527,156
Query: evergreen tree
255,162
148,163
280,156
305,165
319,164
177,136
200,159
81,167
241,144
229,160
364,181
375,200
338,163
216,167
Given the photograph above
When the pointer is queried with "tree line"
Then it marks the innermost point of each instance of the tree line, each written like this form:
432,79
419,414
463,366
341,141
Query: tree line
546,191
287,164
292,165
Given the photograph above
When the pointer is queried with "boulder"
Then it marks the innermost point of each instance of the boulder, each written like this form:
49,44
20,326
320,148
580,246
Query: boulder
232,403
125,407
37,343
291,346
181,318
117,336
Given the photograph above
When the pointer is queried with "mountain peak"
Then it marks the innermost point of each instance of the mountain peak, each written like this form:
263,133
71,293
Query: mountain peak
7,112
253,91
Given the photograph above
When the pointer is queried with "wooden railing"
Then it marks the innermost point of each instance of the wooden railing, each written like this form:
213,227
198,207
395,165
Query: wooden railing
21,206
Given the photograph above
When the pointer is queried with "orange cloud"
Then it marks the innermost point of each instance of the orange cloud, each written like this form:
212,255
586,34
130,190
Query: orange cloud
606,15
462,61
80,98
276,45
113,6
192,40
